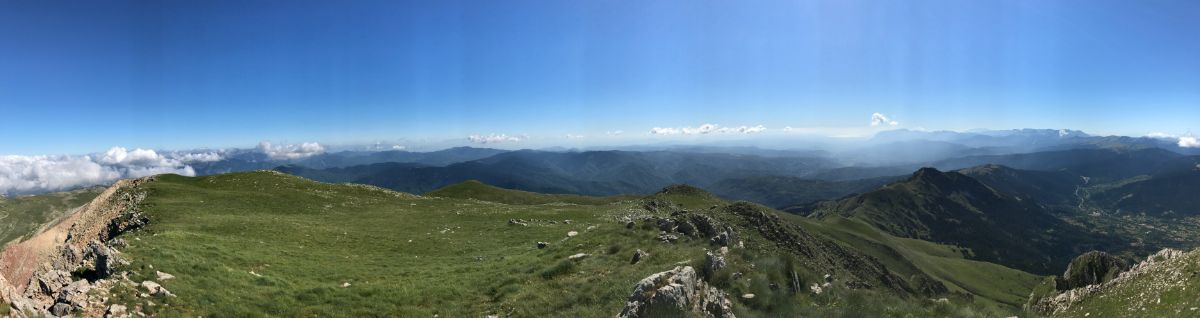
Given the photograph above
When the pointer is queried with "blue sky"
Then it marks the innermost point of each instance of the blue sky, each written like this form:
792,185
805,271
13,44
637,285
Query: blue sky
82,76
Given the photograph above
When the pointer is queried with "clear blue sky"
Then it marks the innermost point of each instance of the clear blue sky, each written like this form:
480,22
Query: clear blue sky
81,76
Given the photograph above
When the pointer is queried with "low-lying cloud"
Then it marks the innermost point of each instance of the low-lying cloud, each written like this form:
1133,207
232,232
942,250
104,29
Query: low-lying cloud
1189,142
706,129
36,174
879,119
290,151
493,138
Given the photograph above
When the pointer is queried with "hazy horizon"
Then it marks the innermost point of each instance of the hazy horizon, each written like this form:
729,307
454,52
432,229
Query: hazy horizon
80,77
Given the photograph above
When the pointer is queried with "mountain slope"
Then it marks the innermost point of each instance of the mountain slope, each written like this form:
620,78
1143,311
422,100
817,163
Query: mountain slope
478,190
783,192
22,216
1046,187
952,208
1168,191
590,172
248,160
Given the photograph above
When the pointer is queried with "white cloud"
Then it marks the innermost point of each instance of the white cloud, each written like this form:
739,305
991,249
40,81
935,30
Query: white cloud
290,151
664,131
1189,142
494,138
35,174
1161,135
707,129
614,133
570,136
192,157
879,119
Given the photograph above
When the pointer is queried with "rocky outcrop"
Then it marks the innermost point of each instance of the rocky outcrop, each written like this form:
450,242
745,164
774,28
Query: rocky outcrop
688,224
714,261
676,293
1092,268
36,272
1160,272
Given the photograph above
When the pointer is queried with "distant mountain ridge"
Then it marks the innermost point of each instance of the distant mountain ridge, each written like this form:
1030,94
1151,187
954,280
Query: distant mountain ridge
953,208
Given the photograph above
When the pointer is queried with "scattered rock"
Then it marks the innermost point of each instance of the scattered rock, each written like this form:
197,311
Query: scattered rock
542,245
566,221
60,309
577,257
669,238
676,293
572,233
638,256
74,294
116,310
163,276
747,296
51,281
156,289
345,284
517,222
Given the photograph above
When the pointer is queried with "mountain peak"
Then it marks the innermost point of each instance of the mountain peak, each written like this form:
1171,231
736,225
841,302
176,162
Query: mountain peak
927,173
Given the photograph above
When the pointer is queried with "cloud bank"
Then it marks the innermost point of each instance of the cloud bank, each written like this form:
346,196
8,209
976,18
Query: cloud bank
706,129
36,174
493,138
1189,142
879,119
290,151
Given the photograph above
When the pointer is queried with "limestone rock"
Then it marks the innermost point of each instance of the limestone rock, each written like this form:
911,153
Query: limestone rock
713,262
676,293
163,276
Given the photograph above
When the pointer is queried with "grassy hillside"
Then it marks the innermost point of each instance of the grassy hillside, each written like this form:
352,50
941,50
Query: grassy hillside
267,244
478,190
952,208
989,283
781,192
22,216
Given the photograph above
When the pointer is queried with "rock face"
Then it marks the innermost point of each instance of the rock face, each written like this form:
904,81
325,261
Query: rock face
37,270
1092,268
676,293
714,262
1160,272
692,225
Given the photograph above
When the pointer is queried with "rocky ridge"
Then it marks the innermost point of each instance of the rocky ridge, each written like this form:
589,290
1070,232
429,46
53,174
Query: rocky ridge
68,268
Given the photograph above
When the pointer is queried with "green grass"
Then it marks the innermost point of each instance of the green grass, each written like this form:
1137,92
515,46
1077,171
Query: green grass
22,216
265,244
403,255
480,191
